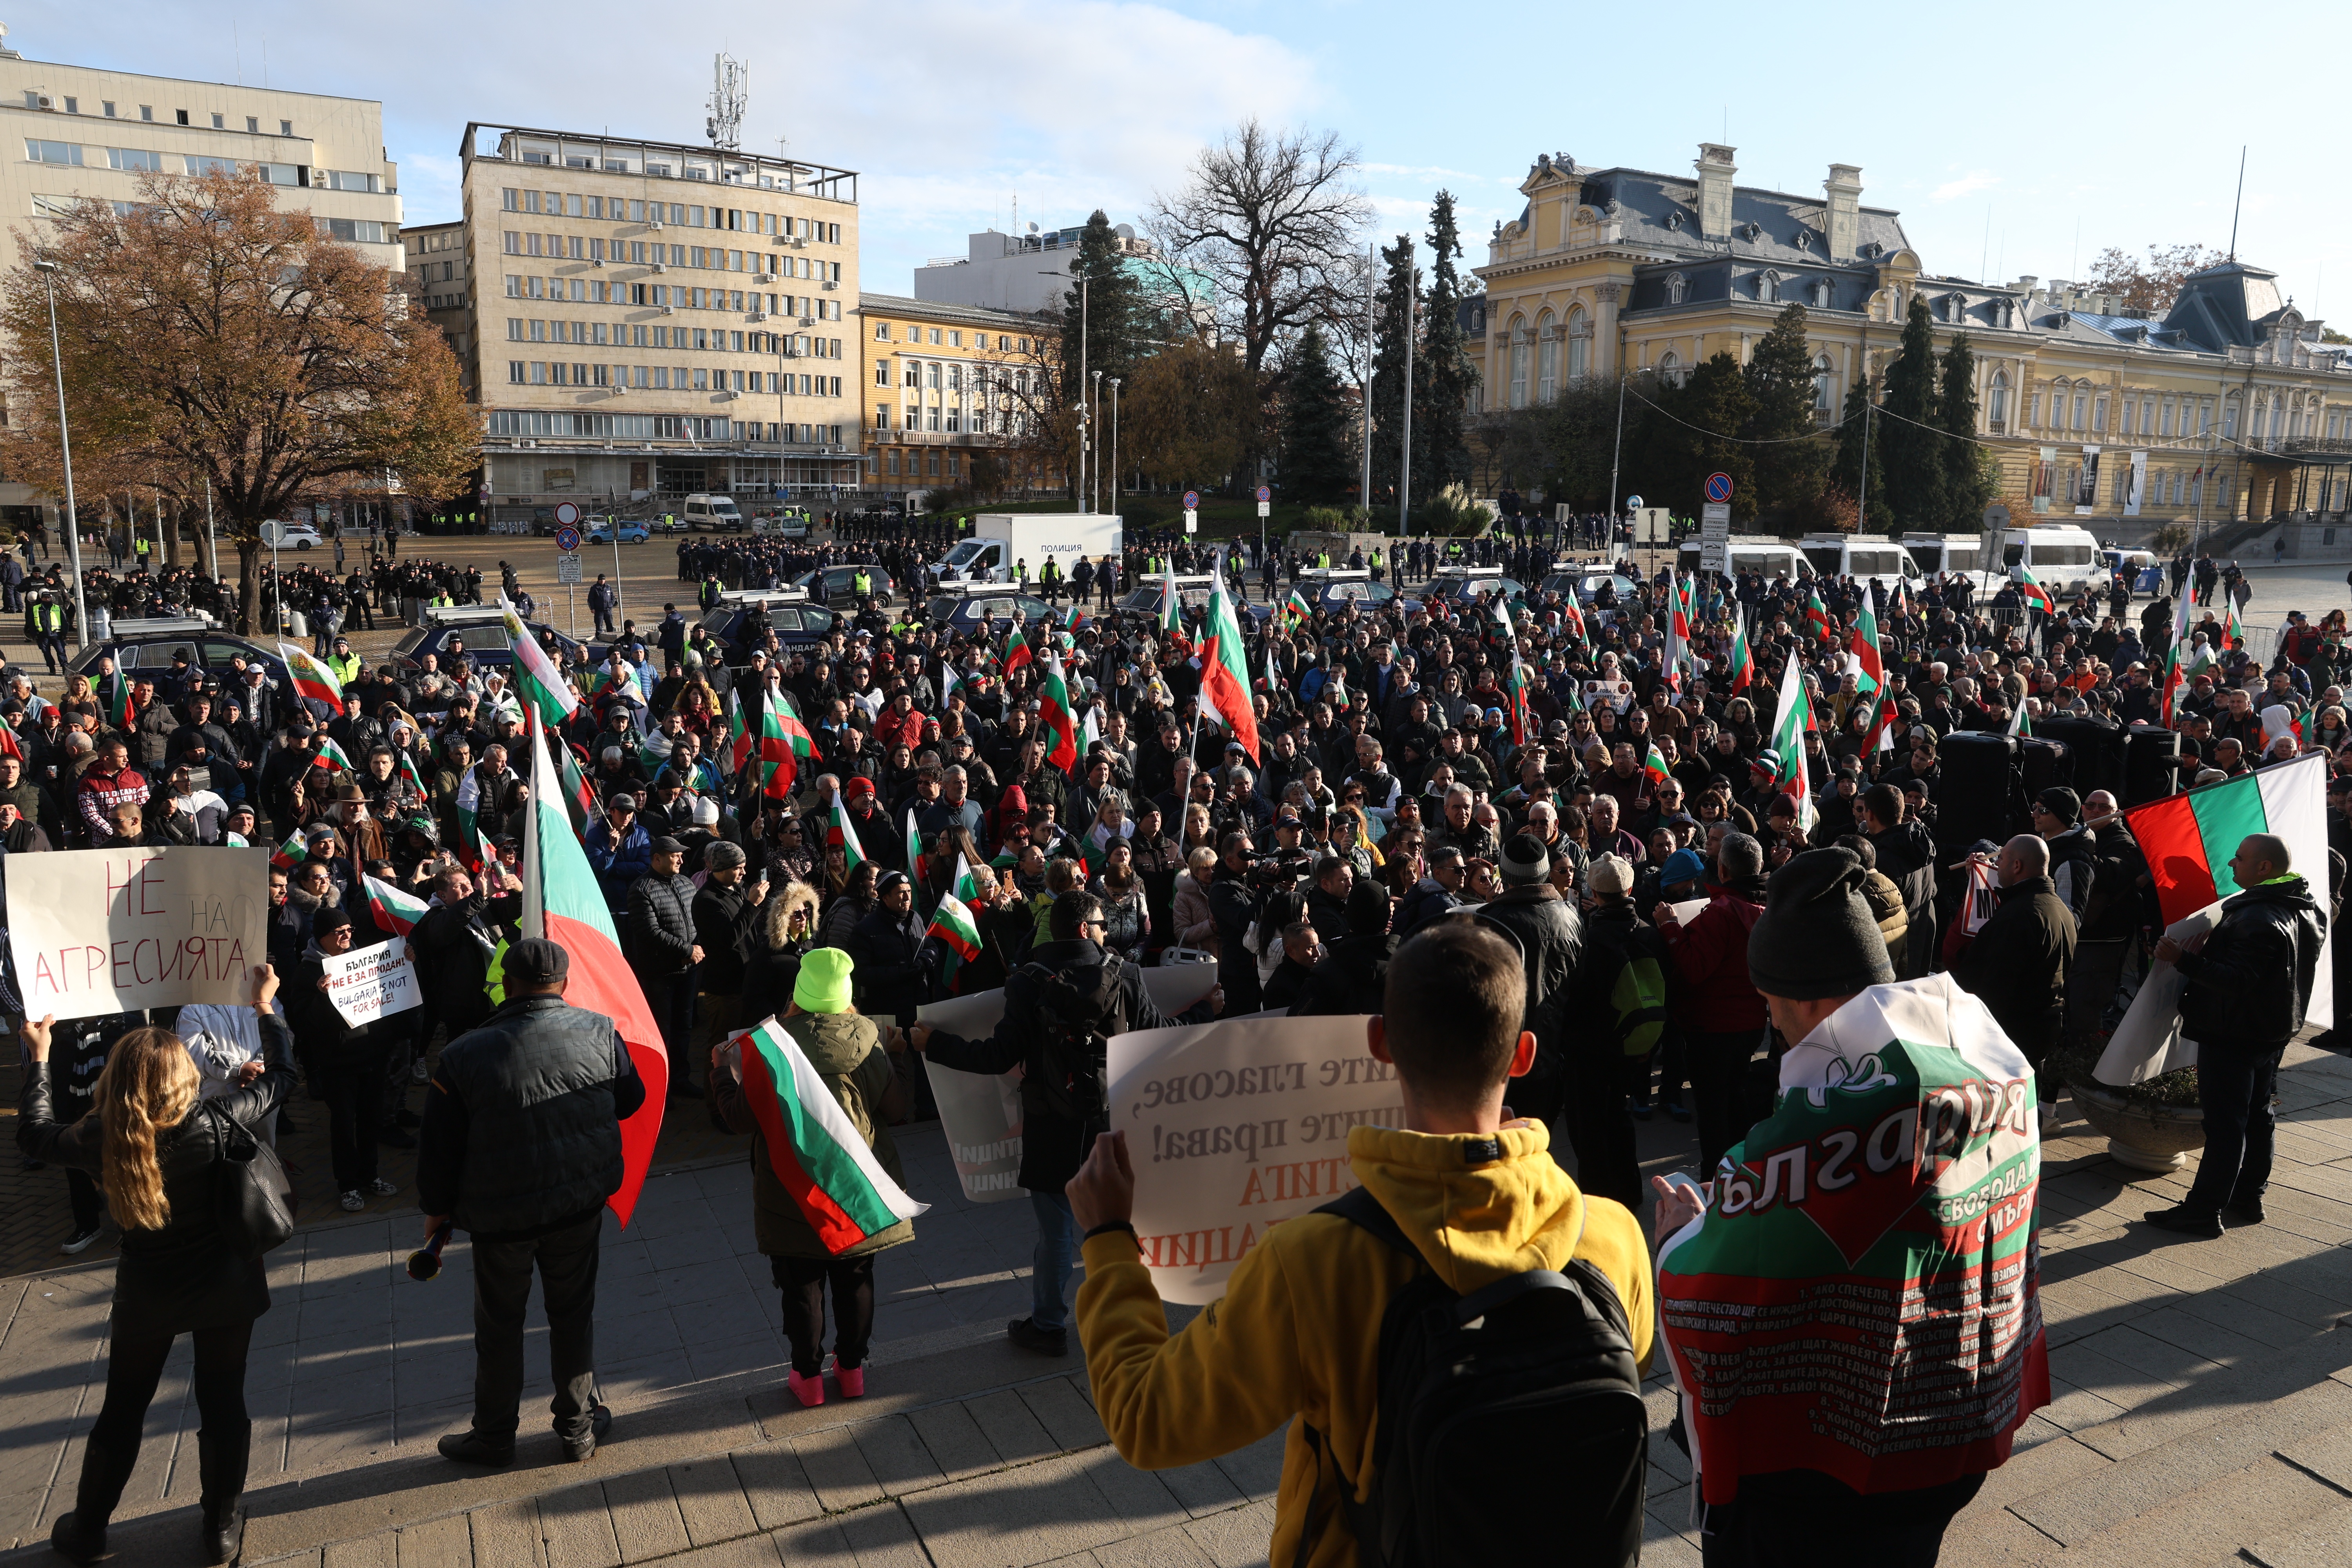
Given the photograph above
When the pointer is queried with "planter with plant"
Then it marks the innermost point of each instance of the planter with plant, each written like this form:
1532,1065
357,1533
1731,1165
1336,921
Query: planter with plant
2149,1126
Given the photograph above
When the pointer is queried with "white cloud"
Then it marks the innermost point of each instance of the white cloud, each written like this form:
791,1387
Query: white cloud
1974,180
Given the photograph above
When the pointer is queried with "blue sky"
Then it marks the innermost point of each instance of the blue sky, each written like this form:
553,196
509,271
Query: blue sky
2009,146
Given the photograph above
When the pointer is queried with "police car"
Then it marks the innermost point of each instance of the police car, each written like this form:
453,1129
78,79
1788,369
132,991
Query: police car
837,585
1192,592
796,621
1459,585
478,631
154,645
1331,588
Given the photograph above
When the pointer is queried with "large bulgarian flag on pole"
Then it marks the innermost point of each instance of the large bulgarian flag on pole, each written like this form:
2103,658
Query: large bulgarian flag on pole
2189,839
1789,729
1225,671
812,1148
1055,726
312,678
2030,589
1863,646
561,903
542,685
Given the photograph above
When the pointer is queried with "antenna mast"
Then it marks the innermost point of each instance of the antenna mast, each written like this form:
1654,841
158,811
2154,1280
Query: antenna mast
2238,203
727,75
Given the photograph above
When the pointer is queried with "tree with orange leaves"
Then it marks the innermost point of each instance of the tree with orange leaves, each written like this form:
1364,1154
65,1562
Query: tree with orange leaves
208,336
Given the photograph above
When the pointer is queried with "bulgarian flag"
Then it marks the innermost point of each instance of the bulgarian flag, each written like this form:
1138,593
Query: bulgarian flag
469,815
394,910
8,746
1295,610
969,889
1817,615
1171,614
536,678
312,679
1225,678
1795,717
914,844
741,743
2020,725
2189,839
1743,663
1053,718
332,755
1517,710
414,780
957,932
2030,589
287,854
2235,632
118,703
839,830
784,741
2175,676
1677,640
1573,614
833,1177
1655,765
1864,646
561,903
1025,650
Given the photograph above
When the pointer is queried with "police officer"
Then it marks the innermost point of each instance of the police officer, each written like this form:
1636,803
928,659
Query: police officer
521,1147
50,631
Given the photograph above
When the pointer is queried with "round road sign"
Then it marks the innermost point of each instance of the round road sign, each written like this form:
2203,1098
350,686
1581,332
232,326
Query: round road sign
567,539
1266,492
1191,501
566,513
1634,502
1719,488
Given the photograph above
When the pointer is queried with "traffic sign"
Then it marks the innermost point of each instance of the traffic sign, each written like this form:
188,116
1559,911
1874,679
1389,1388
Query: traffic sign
273,534
567,570
1191,501
1633,503
1265,508
1192,521
567,539
1265,494
1719,488
566,513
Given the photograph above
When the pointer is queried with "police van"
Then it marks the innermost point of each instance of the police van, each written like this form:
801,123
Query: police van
1763,554
1879,562
712,514
1946,551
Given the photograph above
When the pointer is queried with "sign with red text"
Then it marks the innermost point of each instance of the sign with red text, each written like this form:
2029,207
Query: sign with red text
1235,1126
372,982
107,930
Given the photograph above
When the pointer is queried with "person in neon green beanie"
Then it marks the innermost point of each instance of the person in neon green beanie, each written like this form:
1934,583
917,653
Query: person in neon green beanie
848,1053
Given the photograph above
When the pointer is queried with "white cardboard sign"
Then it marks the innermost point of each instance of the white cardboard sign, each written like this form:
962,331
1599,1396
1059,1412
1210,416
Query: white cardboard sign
372,982
107,931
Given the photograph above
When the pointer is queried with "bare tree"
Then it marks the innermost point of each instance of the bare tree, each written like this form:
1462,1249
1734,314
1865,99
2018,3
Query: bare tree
1269,219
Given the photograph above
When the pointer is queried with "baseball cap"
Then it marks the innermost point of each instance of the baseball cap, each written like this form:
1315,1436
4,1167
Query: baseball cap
535,961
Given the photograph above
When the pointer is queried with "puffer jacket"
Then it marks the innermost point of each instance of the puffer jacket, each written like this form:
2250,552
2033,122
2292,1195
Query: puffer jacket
661,926
2017,964
2239,991
846,1051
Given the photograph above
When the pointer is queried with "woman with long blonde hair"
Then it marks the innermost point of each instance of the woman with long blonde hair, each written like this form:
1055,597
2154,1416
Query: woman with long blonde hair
156,1147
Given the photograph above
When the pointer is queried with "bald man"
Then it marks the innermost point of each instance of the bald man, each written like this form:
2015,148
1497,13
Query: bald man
2247,982
2017,966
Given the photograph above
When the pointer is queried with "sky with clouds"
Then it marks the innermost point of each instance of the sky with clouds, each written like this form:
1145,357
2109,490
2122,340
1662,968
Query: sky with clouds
2008,146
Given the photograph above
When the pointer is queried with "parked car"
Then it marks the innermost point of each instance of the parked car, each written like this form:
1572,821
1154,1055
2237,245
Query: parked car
299,536
965,613
632,532
838,588
478,631
152,644
796,622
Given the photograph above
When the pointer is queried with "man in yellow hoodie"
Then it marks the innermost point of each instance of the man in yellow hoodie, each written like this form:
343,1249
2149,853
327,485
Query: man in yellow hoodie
1297,1332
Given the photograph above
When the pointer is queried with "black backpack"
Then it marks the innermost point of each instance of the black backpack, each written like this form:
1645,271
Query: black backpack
1075,1024
1511,1422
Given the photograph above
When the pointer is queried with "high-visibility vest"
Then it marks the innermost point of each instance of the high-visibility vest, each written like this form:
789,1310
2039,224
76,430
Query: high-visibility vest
345,666
49,617
863,583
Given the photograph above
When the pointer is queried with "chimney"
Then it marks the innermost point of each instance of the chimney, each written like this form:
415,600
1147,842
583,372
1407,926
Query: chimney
1844,189
1715,170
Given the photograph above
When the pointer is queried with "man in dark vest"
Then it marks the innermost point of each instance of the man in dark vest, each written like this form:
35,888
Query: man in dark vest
521,1147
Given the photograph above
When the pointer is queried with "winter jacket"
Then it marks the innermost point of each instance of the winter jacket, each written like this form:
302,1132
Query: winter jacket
1710,954
888,974
2017,964
2249,986
618,859
322,1040
1196,926
1298,1332
1352,977
723,923
453,945
846,1051
1885,901
2074,868
661,926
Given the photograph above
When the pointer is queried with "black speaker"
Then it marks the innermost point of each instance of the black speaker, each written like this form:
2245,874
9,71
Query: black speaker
2152,759
1978,797
2097,750
2043,764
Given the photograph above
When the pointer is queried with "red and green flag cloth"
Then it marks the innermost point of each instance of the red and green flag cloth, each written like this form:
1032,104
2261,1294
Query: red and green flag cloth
394,910
118,701
312,679
1295,611
784,744
1655,765
1056,724
1224,674
8,744
1868,663
2021,723
839,830
1898,1176
1816,613
813,1147
1789,729
1025,649
535,679
2030,589
957,932
1743,663
290,854
332,755
561,903
2189,839
1171,613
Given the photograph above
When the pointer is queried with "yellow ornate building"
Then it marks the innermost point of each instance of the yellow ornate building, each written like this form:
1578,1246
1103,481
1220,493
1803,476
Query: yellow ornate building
946,385
2230,406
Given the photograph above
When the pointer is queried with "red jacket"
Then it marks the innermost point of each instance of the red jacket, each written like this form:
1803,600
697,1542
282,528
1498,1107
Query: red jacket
1710,954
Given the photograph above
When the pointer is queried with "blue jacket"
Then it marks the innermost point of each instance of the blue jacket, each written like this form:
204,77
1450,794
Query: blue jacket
619,865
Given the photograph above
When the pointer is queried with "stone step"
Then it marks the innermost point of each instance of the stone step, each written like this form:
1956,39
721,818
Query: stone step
2322,1540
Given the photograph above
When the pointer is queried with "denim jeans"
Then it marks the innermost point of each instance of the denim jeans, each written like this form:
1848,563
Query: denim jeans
1057,1248
2233,1085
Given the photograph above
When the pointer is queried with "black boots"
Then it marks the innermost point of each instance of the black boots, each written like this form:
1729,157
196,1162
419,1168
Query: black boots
81,1536
222,1458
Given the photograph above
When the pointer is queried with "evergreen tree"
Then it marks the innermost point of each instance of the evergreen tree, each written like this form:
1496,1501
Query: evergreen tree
1112,313
1443,379
1914,443
1969,487
1779,375
1392,303
1319,458
1858,428
1714,408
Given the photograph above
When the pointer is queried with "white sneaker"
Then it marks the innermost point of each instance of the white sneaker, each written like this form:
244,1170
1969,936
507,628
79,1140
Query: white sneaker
382,1188
79,1242
2050,1120
353,1203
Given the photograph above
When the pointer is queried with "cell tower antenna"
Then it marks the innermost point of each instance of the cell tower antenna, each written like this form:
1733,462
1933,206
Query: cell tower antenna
727,76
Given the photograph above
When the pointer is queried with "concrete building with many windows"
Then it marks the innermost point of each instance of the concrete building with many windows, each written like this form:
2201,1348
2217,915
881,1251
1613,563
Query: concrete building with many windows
642,320
948,387
2228,403
76,131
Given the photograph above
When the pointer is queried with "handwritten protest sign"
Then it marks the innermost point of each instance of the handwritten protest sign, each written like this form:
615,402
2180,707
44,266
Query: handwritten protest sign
981,1112
372,982
106,930
1235,1127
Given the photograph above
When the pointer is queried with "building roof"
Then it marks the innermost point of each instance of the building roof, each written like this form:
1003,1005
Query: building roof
933,311
2233,305
1660,212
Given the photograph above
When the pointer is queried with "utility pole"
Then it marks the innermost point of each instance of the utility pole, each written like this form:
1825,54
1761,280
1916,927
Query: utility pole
1094,484
1404,450
1114,442
49,271
1371,279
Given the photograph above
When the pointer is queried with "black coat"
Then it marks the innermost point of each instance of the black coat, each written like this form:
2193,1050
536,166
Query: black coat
888,971
661,926
1352,977
452,945
723,917
178,1277
2249,986
2017,963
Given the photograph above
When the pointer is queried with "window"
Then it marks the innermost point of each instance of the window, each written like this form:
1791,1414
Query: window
2099,415
2033,411
52,151
2080,401
881,332
252,125
147,112
539,331
2164,426
955,339
1995,402
220,123
935,336
180,116
701,377
357,231
514,329
1670,368
1547,359
1518,362
1822,370
514,371
2229,420
539,373
286,128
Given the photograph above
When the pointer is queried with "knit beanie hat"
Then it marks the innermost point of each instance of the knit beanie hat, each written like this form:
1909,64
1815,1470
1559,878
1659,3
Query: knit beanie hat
1816,937
1682,867
1524,861
824,983
2061,803
1611,875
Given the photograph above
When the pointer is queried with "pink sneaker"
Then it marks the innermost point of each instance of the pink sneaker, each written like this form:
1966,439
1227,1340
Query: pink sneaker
852,1380
809,1391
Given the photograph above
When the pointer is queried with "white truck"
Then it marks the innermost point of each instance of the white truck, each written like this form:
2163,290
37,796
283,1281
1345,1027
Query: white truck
1000,540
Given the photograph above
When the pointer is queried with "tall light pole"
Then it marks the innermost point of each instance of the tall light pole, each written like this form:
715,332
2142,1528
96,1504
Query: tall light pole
1093,404
1371,282
1404,449
1114,442
1083,431
48,269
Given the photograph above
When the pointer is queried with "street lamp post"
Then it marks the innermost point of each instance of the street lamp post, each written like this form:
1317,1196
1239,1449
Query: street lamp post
48,269
1114,444
1094,407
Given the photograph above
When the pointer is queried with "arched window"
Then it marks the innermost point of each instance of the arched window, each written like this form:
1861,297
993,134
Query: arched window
1820,291
1518,362
1670,368
1822,372
1997,401
1677,286
2230,417
1768,287
1580,343
1546,358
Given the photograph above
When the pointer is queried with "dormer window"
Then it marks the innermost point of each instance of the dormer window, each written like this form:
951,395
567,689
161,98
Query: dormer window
1678,287
1820,291
1768,287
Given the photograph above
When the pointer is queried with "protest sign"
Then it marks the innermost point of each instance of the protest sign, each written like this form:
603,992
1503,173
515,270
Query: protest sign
106,930
372,982
1234,1126
981,1112
1616,694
